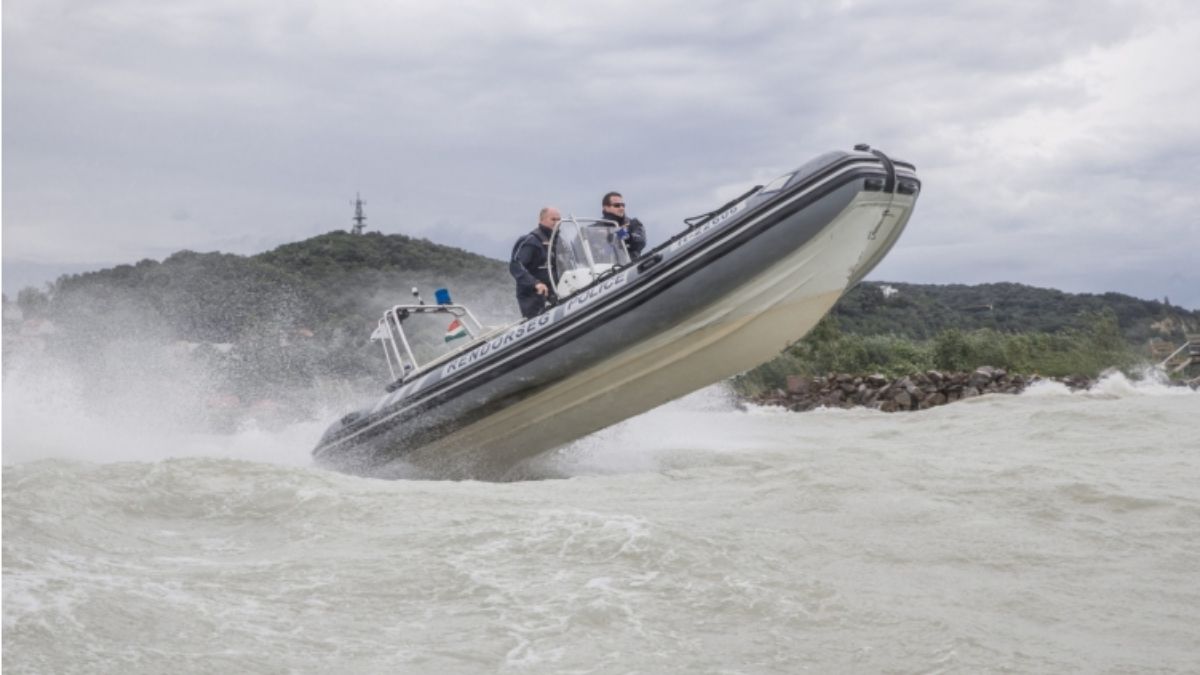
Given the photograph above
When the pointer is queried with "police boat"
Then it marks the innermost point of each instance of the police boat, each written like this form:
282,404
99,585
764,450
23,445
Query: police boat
725,294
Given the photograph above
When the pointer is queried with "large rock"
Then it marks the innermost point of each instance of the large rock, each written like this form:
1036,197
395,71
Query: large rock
916,392
981,377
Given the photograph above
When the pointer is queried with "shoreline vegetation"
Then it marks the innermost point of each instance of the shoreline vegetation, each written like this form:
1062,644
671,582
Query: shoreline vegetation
830,368
917,391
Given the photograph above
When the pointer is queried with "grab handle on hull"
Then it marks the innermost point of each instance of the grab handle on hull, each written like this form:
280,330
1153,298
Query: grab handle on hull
649,262
890,184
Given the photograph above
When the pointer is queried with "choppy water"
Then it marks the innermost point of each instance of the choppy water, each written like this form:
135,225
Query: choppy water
1049,532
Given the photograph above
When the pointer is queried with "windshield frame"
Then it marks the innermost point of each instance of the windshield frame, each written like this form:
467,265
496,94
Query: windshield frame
565,250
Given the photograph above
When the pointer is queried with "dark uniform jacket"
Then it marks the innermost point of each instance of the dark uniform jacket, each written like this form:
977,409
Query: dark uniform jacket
637,233
529,266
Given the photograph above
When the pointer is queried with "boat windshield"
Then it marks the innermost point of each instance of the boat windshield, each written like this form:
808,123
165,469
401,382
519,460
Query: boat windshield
584,248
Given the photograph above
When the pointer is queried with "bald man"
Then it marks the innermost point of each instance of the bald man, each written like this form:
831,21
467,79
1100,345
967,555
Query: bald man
529,264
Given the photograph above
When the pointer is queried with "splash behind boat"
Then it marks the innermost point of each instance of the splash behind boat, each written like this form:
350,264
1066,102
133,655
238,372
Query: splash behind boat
722,296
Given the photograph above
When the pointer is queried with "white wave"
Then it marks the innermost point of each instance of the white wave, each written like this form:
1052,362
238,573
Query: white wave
1046,389
1153,382
1113,384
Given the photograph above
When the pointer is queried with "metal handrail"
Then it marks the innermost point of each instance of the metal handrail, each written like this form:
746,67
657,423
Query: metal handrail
1163,363
394,336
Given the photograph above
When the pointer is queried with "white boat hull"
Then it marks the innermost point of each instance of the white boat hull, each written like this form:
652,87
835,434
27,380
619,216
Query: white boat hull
745,328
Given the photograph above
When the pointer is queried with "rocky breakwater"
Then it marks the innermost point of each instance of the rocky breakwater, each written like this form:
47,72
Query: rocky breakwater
912,392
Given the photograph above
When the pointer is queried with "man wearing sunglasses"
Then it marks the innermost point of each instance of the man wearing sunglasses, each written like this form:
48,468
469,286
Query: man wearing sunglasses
630,230
529,264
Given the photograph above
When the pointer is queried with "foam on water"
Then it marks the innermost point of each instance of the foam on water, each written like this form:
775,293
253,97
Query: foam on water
1052,531
1114,384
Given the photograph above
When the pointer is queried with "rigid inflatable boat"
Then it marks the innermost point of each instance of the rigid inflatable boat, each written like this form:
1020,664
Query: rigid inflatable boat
727,293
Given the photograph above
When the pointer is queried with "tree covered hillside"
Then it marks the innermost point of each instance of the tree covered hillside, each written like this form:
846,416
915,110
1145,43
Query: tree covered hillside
327,284
898,329
224,331
921,311
245,329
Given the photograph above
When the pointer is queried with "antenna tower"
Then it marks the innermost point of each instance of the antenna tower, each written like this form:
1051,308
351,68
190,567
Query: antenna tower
359,218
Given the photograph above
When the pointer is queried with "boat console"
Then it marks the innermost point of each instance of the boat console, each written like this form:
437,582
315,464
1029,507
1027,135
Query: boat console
584,249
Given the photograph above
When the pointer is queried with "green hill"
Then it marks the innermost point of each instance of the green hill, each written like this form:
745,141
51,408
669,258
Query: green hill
324,284
226,327
899,329
263,327
921,311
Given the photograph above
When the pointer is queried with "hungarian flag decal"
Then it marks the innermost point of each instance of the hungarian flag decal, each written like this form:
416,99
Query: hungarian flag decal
455,330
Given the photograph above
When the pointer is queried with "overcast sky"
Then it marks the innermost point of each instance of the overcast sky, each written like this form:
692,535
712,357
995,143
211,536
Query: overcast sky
1058,142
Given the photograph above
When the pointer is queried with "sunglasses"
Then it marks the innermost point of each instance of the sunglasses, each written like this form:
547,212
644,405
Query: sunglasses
618,205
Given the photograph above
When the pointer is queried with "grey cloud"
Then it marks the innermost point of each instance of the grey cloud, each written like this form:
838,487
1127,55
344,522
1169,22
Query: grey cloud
458,121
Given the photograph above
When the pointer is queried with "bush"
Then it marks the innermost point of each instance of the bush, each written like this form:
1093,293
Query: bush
1097,346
